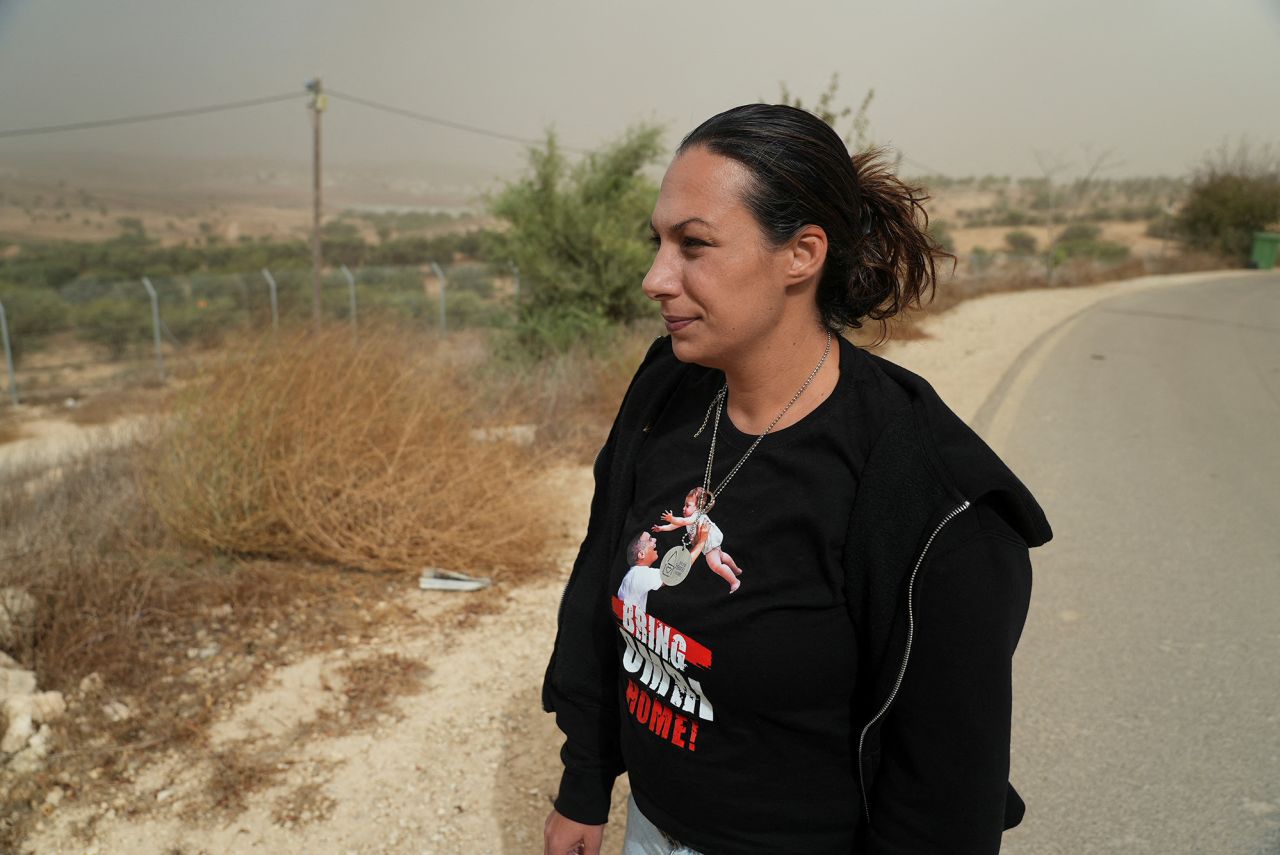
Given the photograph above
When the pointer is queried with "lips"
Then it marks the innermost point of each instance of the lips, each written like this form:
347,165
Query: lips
676,323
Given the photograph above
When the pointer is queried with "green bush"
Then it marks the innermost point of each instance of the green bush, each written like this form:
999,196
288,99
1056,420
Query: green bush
1020,243
980,260
114,324
32,314
1232,195
469,309
579,236
1083,240
1077,232
202,322
474,278
543,333
940,231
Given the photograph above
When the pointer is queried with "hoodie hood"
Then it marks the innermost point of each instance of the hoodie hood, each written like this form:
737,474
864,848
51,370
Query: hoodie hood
964,461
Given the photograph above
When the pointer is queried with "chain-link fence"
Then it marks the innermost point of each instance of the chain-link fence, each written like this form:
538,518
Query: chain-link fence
91,331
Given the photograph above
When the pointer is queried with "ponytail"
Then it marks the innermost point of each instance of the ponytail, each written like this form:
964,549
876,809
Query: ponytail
892,266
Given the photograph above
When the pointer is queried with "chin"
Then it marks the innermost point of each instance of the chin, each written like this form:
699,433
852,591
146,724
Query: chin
687,351
698,353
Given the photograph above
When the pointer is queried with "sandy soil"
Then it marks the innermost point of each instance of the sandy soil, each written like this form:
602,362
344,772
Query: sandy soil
469,763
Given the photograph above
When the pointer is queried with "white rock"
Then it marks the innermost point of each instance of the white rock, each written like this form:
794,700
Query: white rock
54,797
41,707
91,684
31,758
15,682
17,611
516,434
116,711
18,734
7,661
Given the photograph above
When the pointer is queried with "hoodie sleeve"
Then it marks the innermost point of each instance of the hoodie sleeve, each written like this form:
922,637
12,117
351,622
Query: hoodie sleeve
581,682
580,686
942,783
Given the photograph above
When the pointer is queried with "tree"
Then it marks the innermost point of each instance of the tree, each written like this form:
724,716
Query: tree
1232,195
579,237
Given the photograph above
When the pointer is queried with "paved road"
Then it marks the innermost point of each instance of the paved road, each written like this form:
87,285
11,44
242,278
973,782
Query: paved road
1147,683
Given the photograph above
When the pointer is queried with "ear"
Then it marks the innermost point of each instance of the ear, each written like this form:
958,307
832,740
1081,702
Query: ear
806,253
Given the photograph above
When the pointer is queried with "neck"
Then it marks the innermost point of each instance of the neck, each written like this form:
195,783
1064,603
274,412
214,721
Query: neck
764,380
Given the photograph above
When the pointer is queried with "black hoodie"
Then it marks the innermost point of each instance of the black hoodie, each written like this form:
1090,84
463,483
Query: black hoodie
937,579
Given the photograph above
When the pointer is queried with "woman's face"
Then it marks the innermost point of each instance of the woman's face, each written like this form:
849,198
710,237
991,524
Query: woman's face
720,285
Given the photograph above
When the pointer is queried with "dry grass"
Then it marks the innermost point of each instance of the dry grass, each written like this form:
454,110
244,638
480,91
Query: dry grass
110,405
114,595
360,454
10,431
573,397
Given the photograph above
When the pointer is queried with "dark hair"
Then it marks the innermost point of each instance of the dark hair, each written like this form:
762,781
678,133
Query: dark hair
880,257
634,551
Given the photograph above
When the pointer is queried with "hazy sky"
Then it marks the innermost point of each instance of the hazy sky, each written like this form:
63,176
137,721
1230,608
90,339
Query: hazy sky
961,87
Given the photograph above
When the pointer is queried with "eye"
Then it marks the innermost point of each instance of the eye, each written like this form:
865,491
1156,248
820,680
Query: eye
654,239
693,243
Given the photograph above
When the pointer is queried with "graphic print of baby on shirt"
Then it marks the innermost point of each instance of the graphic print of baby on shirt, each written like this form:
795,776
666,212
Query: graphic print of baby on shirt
705,537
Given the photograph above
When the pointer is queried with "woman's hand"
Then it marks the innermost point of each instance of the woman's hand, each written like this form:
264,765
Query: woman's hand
565,837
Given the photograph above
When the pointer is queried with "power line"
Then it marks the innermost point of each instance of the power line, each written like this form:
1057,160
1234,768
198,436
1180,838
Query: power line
436,120
149,117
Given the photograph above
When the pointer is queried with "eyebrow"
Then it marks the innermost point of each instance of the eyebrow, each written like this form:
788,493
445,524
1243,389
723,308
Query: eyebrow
680,225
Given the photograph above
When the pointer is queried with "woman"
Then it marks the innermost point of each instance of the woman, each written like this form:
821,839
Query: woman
853,696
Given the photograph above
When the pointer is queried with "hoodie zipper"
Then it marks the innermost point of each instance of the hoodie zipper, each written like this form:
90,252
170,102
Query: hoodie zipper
906,654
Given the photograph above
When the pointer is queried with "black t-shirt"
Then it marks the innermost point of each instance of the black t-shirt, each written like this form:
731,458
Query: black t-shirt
736,707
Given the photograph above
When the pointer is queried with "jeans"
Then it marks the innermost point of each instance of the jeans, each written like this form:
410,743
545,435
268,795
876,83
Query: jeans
645,838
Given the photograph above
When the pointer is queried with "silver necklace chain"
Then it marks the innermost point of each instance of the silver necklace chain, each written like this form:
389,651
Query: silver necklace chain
708,498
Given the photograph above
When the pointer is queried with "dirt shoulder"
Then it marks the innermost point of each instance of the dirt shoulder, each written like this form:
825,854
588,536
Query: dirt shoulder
460,758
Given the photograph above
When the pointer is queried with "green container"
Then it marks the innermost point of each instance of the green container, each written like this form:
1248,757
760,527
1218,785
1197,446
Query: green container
1265,248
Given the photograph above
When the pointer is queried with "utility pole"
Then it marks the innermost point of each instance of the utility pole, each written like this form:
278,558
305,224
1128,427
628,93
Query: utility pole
319,102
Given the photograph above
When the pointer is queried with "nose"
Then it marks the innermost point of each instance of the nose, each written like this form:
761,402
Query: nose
662,280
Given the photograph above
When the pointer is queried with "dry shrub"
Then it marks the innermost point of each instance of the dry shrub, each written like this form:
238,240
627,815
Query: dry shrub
315,446
9,428
70,538
571,397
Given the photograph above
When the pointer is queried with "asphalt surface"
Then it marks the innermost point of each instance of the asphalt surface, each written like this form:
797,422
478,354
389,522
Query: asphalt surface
1147,682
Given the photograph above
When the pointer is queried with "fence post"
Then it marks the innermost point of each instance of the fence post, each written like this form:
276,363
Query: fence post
275,308
8,356
351,287
444,319
155,323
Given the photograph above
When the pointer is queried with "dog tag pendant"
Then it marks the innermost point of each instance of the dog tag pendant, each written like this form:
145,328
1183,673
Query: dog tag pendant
675,565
